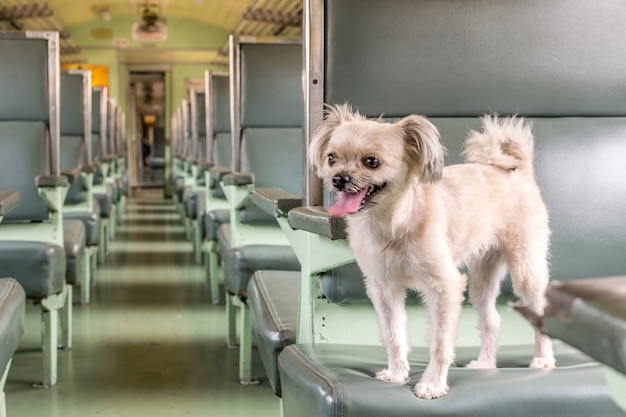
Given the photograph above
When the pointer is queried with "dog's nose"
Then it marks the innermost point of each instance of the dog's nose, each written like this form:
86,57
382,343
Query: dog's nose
340,181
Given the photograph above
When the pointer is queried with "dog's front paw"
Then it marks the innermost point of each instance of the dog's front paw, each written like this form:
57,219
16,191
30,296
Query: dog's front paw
429,391
476,364
395,377
540,362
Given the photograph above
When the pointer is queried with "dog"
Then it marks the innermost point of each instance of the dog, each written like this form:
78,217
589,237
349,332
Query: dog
412,223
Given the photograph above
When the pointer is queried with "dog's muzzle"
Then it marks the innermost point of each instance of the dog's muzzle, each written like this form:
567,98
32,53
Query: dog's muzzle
340,181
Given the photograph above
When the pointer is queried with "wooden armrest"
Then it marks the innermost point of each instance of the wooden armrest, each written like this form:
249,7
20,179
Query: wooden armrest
9,200
51,181
238,178
275,201
317,220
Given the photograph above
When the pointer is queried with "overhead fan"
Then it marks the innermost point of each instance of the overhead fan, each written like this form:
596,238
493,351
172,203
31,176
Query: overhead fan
152,26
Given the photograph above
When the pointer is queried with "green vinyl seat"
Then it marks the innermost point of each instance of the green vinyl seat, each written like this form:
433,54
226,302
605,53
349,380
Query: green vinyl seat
12,305
266,135
273,300
453,62
39,267
74,242
32,235
343,378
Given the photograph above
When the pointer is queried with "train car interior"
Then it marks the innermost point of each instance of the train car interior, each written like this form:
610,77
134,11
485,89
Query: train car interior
312,208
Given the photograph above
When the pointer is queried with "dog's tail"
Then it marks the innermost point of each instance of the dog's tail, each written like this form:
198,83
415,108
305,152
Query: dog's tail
505,142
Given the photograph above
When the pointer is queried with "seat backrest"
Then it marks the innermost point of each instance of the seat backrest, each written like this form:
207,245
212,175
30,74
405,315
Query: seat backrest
110,147
198,118
76,113
266,115
217,121
99,109
456,60
185,129
29,118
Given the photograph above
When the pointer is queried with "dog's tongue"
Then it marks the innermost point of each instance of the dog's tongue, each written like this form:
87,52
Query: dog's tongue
348,203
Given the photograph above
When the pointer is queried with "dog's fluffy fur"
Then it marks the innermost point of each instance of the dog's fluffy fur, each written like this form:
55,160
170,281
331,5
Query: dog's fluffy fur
412,223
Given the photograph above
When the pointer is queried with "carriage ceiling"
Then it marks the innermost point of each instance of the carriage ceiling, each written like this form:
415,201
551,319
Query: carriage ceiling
152,31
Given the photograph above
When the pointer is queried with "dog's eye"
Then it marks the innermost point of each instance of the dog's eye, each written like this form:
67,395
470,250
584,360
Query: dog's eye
371,162
331,159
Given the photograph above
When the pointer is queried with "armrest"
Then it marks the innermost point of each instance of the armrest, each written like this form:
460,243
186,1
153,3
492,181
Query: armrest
89,169
275,201
238,178
317,220
218,173
205,166
70,173
590,315
51,181
9,200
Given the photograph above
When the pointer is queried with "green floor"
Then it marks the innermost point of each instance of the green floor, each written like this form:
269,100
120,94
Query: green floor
149,344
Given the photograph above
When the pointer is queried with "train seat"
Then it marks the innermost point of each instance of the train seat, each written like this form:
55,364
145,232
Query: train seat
75,244
30,164
103,193
470,60
266,128
272,296
76,131
218,160
12,305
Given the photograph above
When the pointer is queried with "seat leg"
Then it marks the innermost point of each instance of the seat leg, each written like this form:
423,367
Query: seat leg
3,400
93,258
197,241
85,278
112,221
49,336
213,272
103,240
231,320
187,223
67,319
245,347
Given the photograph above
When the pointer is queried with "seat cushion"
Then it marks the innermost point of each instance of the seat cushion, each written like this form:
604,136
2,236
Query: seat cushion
192,198
241,262
213,219
39,267
338,380
12,300
273,300
74,242
91,221
105,200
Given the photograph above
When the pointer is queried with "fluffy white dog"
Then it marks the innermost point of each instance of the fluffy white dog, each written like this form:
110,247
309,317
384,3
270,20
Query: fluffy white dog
412,223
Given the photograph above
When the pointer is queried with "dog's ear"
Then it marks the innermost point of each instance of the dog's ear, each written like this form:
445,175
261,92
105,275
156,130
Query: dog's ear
335,115
424,147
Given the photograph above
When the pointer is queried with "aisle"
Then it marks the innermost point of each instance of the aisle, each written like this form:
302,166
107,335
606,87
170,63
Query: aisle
149,344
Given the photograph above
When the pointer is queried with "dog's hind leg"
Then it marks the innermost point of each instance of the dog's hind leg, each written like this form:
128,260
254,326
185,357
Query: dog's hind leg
529,274
443,300
392,322
485,274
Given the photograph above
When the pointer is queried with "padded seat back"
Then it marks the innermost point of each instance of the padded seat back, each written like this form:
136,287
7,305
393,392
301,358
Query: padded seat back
22,158
110,146
98,126
454,64
29,120
75,127
217,120
198,122
186,130
267,126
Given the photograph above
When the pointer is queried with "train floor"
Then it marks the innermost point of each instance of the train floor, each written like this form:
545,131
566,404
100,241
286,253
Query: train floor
149,344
